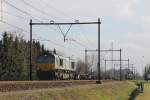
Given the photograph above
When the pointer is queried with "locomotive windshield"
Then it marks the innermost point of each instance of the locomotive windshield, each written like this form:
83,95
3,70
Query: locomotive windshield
47,59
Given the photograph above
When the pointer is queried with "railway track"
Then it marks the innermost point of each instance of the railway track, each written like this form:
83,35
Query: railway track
8,86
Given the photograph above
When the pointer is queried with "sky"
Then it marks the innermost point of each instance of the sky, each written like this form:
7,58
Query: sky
126,23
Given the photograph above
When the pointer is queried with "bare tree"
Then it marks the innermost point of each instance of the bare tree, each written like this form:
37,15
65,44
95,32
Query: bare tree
80,69
91,60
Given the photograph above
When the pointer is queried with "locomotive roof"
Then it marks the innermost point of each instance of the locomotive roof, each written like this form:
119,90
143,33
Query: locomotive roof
63,57
56,55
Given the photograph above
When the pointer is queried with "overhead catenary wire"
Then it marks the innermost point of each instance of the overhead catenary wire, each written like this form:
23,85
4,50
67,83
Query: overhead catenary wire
83,32
74,44
14,15
77,42
41,11
57,10
43,39
60,12
14,26
24,12
62,24
64,34
25,30
22,31
28,15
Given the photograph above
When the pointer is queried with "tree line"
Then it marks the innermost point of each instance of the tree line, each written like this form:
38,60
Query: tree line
14,57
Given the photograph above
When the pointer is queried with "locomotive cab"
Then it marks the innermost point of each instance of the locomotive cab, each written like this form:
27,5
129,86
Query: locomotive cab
45,65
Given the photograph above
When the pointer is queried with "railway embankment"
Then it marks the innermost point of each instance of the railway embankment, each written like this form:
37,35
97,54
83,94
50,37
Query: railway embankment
106,91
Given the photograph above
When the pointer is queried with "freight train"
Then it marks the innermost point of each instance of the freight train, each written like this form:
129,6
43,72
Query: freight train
52,66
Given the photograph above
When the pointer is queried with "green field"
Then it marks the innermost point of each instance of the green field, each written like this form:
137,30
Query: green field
106,91
146,94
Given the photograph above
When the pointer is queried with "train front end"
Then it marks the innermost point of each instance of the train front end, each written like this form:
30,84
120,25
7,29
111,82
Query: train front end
45,67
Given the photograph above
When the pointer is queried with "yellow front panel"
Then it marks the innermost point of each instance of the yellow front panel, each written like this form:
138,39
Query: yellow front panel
45,67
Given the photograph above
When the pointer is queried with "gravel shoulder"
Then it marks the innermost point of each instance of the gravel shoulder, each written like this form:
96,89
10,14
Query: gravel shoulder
8,86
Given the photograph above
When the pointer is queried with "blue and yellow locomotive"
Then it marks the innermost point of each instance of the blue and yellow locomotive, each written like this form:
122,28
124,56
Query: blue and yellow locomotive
52,67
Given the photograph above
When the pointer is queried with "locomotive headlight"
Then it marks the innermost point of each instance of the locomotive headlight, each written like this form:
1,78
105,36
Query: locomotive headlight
45,55
52,22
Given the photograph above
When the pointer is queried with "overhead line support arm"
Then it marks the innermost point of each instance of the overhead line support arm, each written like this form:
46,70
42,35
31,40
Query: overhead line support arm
65,23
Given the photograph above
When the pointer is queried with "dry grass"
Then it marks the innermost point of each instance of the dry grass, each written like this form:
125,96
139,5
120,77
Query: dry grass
107,91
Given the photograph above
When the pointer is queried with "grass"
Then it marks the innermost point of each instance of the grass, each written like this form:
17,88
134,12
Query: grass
106,91
146,94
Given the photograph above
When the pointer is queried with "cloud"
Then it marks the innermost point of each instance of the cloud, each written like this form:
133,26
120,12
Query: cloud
125,8
145,22
96,8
